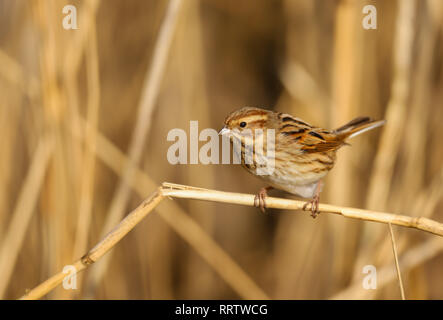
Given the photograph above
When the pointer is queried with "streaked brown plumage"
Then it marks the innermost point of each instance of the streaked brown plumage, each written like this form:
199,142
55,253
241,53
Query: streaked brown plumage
304,154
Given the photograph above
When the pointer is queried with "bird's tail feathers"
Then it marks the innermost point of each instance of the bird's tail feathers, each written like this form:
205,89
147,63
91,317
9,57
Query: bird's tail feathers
358,126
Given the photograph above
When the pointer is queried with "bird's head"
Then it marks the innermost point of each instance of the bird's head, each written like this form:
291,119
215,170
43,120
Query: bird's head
246,120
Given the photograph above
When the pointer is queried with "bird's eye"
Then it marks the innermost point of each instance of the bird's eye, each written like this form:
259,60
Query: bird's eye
243,124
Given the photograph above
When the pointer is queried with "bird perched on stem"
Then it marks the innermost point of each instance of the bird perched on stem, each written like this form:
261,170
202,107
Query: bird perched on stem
298,154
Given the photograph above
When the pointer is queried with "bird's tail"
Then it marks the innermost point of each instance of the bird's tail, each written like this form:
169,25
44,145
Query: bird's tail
358,126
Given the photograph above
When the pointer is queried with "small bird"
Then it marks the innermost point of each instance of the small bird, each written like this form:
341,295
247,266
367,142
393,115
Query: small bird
303,154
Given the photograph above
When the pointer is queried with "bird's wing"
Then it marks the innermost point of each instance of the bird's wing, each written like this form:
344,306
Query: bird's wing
310,139
319,140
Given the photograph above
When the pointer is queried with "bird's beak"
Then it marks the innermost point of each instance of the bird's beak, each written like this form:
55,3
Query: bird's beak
224,131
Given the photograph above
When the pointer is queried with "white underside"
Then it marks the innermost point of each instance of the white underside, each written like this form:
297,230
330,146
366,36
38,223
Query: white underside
302,190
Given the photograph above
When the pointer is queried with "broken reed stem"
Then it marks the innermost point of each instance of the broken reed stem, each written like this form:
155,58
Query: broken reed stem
188,192
397,265
100,249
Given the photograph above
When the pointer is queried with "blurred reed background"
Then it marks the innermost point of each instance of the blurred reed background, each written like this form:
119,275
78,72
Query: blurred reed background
70,116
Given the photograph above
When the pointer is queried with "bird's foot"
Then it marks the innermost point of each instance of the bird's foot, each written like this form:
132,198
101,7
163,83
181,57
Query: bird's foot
259,200
315,201
314,206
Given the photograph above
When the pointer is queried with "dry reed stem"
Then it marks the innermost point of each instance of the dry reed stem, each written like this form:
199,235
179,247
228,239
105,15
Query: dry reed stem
305,80
188,192
150,89
380,182
74,56
245,286
83,162
56,195
98,251
397,265
88,171
13,240
388,147
414,152
188,62
419,115
344,92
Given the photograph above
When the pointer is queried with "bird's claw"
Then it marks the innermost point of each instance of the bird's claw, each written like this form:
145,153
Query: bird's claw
314,206
259,200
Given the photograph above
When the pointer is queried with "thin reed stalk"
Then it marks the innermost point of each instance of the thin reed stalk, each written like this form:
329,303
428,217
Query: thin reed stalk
108,242
88,172
397,264
390,141
150,90
26,202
